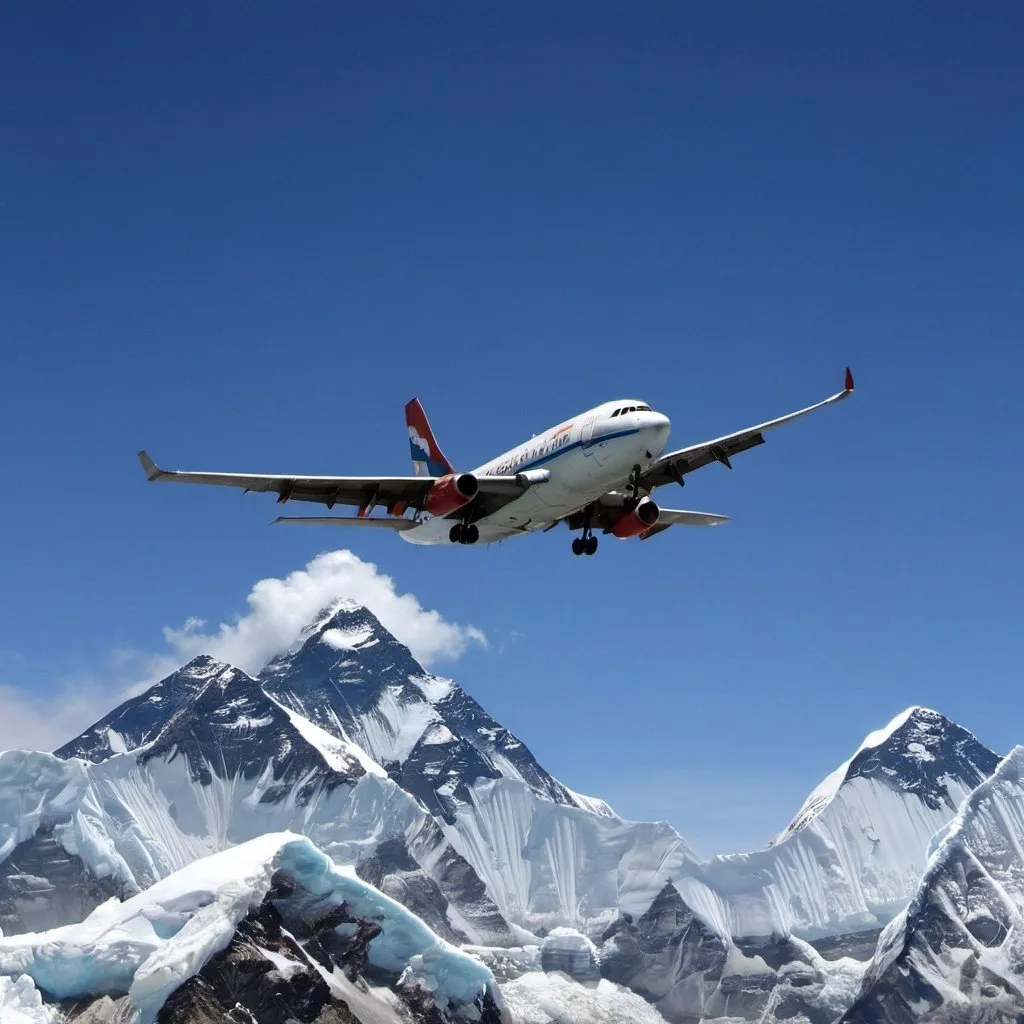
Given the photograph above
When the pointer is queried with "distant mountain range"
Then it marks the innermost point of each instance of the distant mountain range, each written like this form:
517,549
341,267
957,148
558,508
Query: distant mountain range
345,751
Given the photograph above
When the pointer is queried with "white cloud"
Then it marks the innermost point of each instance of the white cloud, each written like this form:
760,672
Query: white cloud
279,608
42,723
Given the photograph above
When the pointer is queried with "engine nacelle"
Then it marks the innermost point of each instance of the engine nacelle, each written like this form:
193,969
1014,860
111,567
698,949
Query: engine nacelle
641,518
450,493
531,477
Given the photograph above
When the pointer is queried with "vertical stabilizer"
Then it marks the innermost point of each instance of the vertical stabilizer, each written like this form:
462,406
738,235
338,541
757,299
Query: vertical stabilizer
427,457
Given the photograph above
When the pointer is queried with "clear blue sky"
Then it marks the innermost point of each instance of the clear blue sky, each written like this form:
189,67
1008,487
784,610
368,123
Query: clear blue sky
244,234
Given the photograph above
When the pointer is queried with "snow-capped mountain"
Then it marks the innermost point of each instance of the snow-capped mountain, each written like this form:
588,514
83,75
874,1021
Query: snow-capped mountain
920,752
854,853
347,740
229,763
137,721
956,954
354,680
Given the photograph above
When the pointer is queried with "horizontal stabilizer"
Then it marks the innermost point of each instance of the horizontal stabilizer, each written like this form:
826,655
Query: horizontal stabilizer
378,522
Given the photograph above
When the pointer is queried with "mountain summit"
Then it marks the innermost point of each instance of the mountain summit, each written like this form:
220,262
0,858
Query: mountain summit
140,718
354,680
921,753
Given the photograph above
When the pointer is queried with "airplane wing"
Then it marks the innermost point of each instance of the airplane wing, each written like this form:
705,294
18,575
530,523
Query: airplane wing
397,523
680,517
395,493
673,466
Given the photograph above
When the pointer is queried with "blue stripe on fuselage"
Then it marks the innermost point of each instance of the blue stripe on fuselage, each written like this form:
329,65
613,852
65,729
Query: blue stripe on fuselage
551,456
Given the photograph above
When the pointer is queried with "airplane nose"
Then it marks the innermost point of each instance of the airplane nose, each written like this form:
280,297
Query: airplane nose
657,425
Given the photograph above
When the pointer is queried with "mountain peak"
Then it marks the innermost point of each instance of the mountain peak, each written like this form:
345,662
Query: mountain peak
138,720
342,609
919,752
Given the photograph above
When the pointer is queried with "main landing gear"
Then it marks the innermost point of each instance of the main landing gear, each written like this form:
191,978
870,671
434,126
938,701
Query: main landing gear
585,545
464,533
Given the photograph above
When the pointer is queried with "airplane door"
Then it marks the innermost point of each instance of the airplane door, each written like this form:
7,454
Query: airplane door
587,434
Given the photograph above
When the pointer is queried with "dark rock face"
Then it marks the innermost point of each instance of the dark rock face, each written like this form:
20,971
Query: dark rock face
43,886
361,689
138,720
101,1010
856,945
669,956
924,750
232,729
691,973
283,970
263,976
960,914
393,870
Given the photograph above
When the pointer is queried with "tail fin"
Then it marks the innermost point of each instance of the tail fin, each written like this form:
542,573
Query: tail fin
427,458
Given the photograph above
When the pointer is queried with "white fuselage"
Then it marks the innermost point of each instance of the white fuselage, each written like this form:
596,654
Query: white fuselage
586,457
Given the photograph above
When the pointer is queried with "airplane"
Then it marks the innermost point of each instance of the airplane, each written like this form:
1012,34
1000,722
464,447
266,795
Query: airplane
593,472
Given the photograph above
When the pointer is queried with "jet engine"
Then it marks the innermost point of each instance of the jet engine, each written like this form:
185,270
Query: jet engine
642,517
450,493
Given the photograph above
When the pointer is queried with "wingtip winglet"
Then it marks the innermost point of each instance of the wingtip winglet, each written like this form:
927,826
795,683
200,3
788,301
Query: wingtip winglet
848,386
151,469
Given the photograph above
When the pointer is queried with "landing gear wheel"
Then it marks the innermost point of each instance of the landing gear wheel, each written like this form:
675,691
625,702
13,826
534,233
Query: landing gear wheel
464,533
578,545
590,546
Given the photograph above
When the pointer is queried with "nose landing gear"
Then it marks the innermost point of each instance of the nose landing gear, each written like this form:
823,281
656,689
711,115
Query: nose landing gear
464,533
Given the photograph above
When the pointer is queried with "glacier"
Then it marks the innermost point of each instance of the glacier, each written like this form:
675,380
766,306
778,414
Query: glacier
150,944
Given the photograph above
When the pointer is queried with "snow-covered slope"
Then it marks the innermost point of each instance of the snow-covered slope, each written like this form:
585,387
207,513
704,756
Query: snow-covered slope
230,763
548,864
855,852
150,945
155,812
957,952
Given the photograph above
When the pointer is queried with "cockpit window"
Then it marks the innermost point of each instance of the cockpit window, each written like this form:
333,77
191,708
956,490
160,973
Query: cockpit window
616,413
643,408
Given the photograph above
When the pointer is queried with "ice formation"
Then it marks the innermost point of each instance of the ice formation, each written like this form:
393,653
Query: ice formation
21,1003
150,944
